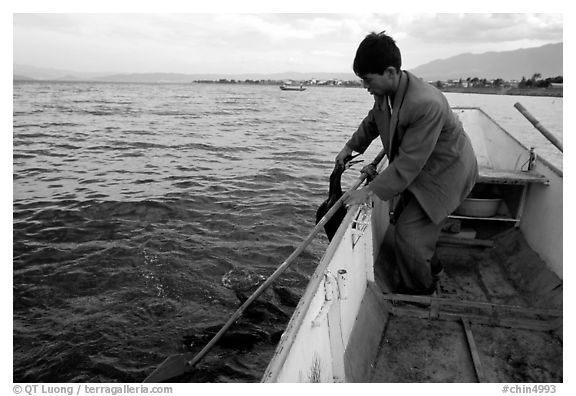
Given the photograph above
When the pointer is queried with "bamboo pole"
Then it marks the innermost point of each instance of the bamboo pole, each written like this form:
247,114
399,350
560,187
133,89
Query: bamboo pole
547,134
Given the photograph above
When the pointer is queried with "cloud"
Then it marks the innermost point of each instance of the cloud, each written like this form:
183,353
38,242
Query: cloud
485,28
262,42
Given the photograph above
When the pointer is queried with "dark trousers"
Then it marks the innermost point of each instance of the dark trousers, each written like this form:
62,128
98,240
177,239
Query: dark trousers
415,237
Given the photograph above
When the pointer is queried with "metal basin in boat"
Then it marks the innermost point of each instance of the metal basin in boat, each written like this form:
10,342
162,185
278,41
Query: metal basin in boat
479,207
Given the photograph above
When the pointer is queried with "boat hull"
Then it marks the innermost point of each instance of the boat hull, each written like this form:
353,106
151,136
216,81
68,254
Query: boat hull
541,219
338,328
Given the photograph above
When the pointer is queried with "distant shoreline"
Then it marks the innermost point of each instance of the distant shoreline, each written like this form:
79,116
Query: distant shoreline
550,92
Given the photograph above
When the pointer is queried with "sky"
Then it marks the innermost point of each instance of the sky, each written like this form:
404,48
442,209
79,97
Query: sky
260,40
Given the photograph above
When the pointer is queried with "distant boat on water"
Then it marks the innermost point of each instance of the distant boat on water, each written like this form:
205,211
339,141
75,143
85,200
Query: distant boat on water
289,87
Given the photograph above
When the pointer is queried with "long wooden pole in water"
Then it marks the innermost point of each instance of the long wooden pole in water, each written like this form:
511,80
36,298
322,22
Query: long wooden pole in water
553,139
180,366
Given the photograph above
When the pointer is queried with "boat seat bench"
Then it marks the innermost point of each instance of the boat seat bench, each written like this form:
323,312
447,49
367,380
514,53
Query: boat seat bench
499,176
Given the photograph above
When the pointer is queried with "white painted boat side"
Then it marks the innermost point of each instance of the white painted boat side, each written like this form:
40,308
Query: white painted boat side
542,220
309,353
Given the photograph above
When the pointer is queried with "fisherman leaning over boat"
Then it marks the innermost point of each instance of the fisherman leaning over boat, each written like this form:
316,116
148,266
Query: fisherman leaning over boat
432,166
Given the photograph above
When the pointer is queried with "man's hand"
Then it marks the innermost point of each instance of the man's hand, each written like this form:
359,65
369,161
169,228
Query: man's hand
343,154
361,196
370,171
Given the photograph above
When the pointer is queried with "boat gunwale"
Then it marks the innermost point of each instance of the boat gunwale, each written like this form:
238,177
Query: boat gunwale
539,158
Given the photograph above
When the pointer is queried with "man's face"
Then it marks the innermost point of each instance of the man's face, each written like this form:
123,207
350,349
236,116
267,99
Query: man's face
380,84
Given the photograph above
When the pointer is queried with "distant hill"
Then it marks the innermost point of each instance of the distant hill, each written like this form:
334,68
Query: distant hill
66,75
146,78
43,73
17,77
508,65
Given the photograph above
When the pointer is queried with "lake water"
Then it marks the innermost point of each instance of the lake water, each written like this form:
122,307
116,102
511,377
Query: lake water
139,211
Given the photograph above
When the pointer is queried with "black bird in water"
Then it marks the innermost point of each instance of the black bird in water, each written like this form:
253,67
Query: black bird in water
334,194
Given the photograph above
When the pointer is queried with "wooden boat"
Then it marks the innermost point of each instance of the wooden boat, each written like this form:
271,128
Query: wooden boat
288,87
497,312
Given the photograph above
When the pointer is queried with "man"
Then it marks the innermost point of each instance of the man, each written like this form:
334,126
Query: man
432,166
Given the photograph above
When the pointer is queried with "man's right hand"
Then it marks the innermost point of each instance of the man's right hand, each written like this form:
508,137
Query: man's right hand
343,155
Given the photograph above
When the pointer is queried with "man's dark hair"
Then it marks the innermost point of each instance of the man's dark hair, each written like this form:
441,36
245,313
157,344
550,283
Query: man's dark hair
375,53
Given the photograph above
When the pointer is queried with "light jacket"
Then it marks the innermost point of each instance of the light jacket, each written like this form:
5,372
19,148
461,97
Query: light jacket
428,149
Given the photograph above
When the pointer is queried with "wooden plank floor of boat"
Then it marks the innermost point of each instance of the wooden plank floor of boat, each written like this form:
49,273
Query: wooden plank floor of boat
416,347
